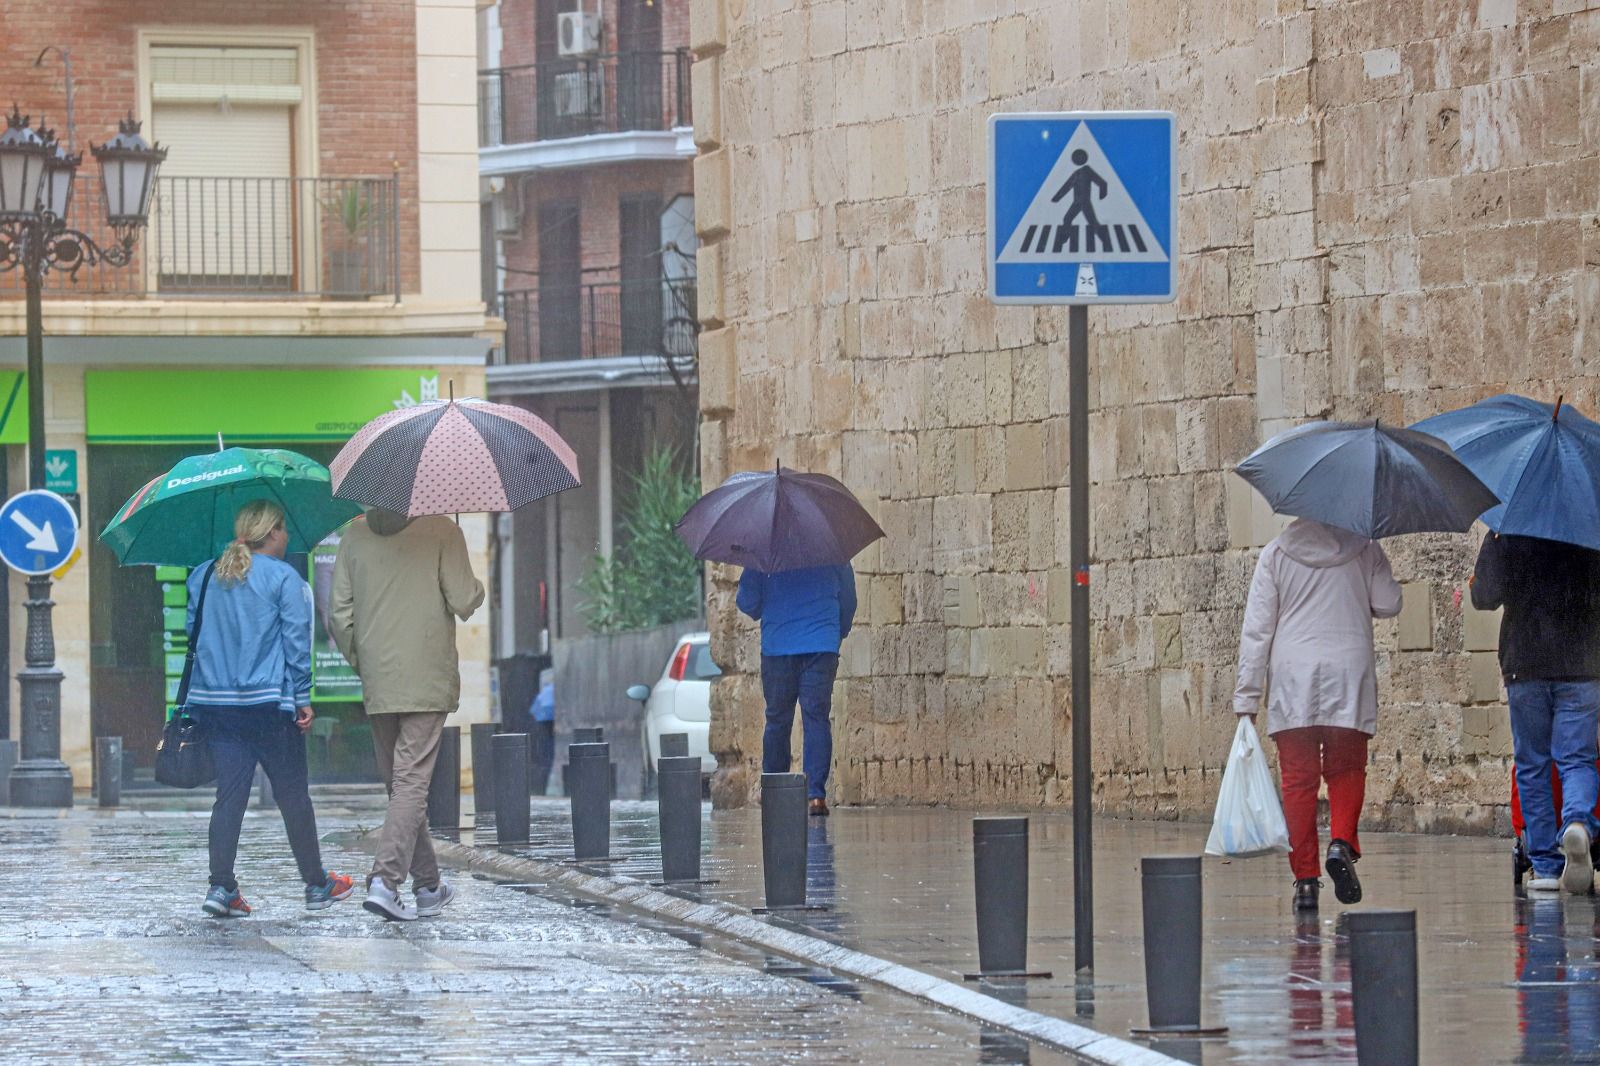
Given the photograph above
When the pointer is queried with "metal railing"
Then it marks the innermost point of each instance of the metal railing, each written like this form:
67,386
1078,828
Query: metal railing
578,96
558,322
329,238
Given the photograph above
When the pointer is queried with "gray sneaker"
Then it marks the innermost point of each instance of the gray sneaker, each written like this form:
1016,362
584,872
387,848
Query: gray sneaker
1577,876
385,903
431,902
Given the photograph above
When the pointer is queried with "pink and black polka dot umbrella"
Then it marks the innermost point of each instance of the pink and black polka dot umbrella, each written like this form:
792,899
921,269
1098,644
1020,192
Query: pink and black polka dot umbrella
454,457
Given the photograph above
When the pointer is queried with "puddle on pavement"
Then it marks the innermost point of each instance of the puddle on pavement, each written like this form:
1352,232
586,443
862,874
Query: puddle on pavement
994,1045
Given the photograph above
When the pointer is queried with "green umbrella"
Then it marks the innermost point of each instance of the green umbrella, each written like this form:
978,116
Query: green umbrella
185,516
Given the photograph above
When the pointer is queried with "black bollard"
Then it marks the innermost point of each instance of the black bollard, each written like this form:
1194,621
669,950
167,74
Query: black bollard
444,791
678,801
483,766
1000,890
674,745
8,759
783,839
589,780
588,735
1170,885
108,771
511,788
1383,983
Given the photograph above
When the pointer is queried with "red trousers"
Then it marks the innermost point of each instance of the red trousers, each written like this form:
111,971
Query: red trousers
1306,758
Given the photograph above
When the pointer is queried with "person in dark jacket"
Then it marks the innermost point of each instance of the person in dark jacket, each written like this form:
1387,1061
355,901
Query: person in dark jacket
1550,660
805,615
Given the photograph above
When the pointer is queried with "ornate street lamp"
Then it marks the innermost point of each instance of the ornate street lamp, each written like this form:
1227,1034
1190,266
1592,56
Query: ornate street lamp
36,176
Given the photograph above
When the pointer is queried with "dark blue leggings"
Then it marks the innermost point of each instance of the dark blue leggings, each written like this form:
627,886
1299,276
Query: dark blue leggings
240,738
807,680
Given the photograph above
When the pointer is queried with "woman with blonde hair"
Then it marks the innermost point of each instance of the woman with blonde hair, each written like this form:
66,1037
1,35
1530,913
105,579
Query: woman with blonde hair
251,689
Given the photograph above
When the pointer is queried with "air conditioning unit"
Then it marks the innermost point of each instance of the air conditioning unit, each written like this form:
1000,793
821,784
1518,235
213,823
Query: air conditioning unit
577,95
579,32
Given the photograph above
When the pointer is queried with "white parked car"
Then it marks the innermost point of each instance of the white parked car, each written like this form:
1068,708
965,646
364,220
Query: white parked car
680,701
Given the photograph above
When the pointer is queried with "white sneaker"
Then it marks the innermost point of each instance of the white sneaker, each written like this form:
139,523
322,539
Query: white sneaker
1544,884
385,903
431,902
1577,876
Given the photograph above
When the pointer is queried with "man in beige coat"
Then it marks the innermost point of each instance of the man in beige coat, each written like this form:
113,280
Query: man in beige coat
398,587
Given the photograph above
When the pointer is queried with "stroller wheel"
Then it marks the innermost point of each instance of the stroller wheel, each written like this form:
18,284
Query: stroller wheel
1520,864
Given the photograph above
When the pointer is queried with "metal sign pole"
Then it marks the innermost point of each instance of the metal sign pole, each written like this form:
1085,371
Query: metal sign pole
1082,783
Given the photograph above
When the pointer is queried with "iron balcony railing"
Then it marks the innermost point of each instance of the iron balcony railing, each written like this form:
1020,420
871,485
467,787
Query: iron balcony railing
325,238
578,96
559,322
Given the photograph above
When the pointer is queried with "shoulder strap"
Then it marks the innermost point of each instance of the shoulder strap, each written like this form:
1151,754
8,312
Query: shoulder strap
194,638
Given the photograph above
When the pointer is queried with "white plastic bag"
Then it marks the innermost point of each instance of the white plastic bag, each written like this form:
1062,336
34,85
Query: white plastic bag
1249,818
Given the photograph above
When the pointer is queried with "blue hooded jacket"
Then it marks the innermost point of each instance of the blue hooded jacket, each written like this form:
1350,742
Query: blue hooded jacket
255,640
802,612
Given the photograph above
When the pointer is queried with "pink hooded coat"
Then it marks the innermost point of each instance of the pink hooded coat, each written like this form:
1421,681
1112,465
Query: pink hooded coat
1307,637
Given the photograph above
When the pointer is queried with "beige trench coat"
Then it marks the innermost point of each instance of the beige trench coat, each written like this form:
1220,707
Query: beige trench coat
394,607
1307,637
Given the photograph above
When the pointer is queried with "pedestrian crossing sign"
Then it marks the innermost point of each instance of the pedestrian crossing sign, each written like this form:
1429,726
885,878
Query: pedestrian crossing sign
1083,207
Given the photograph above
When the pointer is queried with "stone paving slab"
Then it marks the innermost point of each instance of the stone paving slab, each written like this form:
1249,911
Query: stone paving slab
1504,979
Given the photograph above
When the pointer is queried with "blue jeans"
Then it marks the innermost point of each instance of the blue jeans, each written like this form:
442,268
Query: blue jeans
807,679
1555,722
240,737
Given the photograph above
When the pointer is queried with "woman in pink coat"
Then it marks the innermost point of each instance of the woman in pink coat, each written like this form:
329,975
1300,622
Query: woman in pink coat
1306,646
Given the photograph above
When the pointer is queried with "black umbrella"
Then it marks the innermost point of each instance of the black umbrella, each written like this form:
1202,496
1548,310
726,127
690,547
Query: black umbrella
783,520
1375,480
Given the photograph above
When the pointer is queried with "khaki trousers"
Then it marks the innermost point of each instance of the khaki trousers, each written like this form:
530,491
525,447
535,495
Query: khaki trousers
407,745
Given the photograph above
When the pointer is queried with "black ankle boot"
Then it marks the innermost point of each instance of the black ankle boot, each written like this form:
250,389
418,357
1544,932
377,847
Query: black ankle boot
1342,868
1305,893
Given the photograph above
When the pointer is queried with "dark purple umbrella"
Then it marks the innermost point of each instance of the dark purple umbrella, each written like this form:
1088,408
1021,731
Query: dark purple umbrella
783,520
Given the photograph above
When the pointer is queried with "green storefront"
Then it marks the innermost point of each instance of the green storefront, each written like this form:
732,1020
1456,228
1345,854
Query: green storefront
139,423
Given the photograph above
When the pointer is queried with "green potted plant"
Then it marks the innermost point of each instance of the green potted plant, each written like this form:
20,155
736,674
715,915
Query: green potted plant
354,214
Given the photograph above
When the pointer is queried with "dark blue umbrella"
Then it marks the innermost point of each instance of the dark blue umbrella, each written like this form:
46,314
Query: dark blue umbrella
782,520
1375,480
1542,460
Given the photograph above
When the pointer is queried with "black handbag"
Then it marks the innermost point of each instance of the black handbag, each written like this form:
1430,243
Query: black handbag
183,755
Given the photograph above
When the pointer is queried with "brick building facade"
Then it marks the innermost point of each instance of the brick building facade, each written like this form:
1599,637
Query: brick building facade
1388,209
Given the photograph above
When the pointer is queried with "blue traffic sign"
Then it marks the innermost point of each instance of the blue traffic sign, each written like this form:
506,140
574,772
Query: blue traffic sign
38,532
1083,207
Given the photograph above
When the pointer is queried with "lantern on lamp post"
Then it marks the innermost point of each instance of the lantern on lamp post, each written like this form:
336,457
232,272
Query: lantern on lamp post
36,182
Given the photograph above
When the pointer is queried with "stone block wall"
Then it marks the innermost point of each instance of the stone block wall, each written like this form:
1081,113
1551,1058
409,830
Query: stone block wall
1387,209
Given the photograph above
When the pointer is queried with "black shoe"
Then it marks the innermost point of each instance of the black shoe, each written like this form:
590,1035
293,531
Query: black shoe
1305,893
818,808
1342,868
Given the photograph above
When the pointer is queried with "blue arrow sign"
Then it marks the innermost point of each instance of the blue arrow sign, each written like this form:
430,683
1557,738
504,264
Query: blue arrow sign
38,532
1083,207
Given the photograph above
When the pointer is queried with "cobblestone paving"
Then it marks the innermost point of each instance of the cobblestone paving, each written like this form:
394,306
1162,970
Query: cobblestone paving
106,957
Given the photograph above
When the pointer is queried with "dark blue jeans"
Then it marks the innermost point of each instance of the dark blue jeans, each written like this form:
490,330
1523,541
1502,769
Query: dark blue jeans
808,679
240,738
1554,723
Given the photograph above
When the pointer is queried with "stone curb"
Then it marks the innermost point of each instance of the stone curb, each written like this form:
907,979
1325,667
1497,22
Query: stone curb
734,922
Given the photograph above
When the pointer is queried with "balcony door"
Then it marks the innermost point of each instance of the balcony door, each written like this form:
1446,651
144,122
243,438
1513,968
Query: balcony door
228,209
561,303
640,218
639,68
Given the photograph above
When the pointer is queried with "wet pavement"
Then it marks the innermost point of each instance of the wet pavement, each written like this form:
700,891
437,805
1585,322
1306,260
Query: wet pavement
105,957
1504,979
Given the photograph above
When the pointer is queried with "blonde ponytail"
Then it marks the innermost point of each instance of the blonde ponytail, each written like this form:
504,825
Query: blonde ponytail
255,522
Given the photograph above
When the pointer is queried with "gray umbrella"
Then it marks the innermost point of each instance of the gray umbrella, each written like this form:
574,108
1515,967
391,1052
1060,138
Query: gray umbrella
1375,480
778,520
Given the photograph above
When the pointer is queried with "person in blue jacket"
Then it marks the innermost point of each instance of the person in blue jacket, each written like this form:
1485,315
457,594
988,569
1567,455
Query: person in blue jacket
805,615
250,689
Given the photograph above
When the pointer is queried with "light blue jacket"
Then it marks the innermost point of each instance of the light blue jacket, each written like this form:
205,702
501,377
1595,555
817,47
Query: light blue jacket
802,612
255,640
